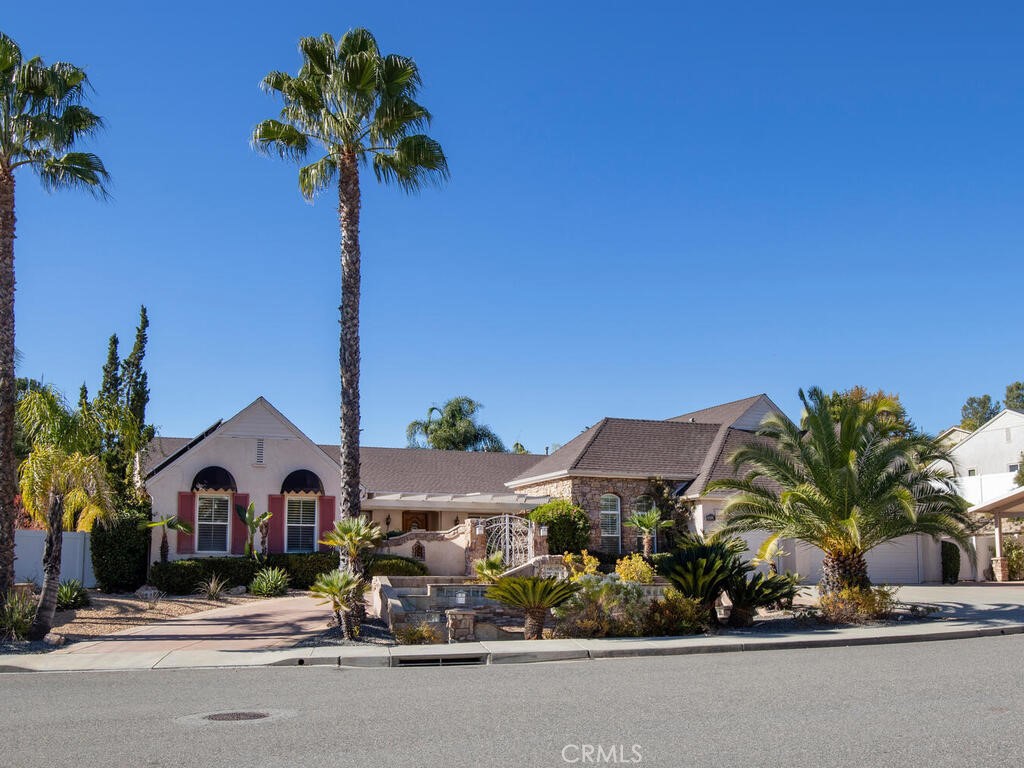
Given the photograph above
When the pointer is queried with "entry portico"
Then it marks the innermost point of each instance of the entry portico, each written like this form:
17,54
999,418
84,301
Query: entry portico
999,509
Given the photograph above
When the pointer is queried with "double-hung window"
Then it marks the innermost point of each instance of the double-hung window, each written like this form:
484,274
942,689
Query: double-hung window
212,517
300,523
610,508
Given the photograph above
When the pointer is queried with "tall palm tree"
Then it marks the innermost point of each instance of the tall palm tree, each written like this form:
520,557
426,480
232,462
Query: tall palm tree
846,480
648,523
455,428
41,121
353,106
61,484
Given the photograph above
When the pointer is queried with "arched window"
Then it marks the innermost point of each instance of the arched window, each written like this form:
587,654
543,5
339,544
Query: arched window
419,551
610,514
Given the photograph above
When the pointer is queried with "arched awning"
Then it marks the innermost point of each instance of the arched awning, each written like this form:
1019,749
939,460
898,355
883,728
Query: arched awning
214,479
302,481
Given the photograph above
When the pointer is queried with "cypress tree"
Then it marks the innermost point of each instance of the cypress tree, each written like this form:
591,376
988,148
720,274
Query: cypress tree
134,379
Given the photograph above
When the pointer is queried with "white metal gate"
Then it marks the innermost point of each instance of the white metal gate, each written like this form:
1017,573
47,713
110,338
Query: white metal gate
512,536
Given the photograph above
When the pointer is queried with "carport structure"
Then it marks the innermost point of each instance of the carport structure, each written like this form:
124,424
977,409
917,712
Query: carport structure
1009,505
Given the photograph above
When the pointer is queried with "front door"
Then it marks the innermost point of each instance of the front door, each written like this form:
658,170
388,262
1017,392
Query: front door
415,521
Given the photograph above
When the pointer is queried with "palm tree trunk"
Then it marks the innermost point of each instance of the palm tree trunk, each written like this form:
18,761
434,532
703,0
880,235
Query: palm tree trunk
51,570
165,549
8,384
843,571
647,545
348,216
533,628
347,625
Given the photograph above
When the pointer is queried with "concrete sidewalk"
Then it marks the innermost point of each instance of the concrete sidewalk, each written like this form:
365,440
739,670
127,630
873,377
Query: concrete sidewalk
965,611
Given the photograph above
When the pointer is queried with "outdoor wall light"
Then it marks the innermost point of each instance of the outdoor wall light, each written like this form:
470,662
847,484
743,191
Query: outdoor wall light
479,529
460,597
543,530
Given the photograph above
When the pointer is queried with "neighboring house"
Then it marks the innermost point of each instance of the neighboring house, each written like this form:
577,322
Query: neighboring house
987,460
258,455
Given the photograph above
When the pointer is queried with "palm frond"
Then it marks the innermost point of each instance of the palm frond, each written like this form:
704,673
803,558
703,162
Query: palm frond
416,161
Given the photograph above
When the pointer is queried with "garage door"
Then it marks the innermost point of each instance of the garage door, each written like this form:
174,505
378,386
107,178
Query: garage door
895,562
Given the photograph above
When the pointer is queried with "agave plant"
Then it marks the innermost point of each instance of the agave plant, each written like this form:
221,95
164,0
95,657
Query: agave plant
489,569
532,595
343,591
212,588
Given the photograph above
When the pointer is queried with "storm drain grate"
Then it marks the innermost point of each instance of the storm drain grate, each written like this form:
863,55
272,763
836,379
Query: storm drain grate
440,661
222,717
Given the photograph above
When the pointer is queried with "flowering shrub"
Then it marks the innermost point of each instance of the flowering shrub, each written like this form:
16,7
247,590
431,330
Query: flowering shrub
855,606
578,566
675,614
604,606
634,568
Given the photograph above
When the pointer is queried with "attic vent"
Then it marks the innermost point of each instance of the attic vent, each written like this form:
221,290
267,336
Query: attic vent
259,450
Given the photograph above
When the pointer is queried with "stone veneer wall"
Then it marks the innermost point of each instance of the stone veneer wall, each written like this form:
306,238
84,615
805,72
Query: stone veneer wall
586,493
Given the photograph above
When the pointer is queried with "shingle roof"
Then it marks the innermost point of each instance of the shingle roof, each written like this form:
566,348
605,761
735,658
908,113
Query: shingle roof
426,470
726,413
632,447
160,449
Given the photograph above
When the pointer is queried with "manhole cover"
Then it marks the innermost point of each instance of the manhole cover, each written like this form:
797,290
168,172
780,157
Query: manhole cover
221,717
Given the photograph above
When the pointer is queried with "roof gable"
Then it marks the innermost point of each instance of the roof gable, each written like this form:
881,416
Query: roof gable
746,413
1003,419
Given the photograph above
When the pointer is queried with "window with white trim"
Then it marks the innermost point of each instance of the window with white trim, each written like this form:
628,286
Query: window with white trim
610,507
212,516
1015,467
642,505
300,524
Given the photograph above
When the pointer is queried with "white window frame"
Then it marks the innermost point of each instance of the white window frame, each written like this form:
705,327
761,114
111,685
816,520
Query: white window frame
316,520
226,524
1015,467
616,514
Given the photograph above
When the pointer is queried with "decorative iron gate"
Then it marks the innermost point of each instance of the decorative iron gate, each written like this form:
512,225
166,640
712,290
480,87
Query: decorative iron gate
512,536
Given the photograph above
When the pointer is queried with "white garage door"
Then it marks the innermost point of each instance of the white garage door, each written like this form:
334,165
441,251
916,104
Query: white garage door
895,562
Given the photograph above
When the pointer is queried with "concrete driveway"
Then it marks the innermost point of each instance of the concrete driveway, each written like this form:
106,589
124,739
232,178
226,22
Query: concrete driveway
256,625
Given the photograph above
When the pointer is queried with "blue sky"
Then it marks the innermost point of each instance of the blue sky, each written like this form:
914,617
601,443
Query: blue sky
653,208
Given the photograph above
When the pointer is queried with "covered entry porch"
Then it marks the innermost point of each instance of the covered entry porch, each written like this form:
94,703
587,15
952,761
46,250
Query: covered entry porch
999,510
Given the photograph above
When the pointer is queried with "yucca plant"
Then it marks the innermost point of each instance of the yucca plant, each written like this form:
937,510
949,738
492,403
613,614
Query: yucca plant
532,595
489,569
212,588
71,594
269,582
343,591
16,615
851,476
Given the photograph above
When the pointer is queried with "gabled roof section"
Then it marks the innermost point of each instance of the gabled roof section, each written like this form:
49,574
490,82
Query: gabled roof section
726,413
161,451
1006,413
628,448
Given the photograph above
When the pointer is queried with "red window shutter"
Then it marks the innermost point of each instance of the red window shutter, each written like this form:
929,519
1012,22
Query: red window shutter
186,514
275,505
239,532
326,519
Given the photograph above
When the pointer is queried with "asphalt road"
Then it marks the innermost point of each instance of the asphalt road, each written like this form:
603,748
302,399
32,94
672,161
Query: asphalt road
936,704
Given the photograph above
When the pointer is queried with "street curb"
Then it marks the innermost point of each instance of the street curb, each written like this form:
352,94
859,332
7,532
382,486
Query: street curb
480,654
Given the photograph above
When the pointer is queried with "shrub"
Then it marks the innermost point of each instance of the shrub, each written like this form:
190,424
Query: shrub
856,606
489,569
579,565
119,550
212,588
71,594
702,571
604,606
634,568
1013,551
16,616
423,633
177,577
304,567
394,565
269,582
950,563
568,525
675,614
661,562
234,570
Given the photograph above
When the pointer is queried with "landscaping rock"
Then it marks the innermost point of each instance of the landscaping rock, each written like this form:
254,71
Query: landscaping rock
239,590
54,639
147,593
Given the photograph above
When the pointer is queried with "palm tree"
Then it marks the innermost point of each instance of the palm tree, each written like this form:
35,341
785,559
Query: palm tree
844,482
454,429
252,522
489,569
165,524
41,121
648,523
61,485
353,106
534,596
354,537
343,591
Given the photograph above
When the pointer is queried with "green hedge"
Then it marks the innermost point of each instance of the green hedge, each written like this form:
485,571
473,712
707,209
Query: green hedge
950,563
662,562
119,551
181,577
568,526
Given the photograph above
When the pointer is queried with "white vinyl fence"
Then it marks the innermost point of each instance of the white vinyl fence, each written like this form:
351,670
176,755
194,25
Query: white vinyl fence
75,561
